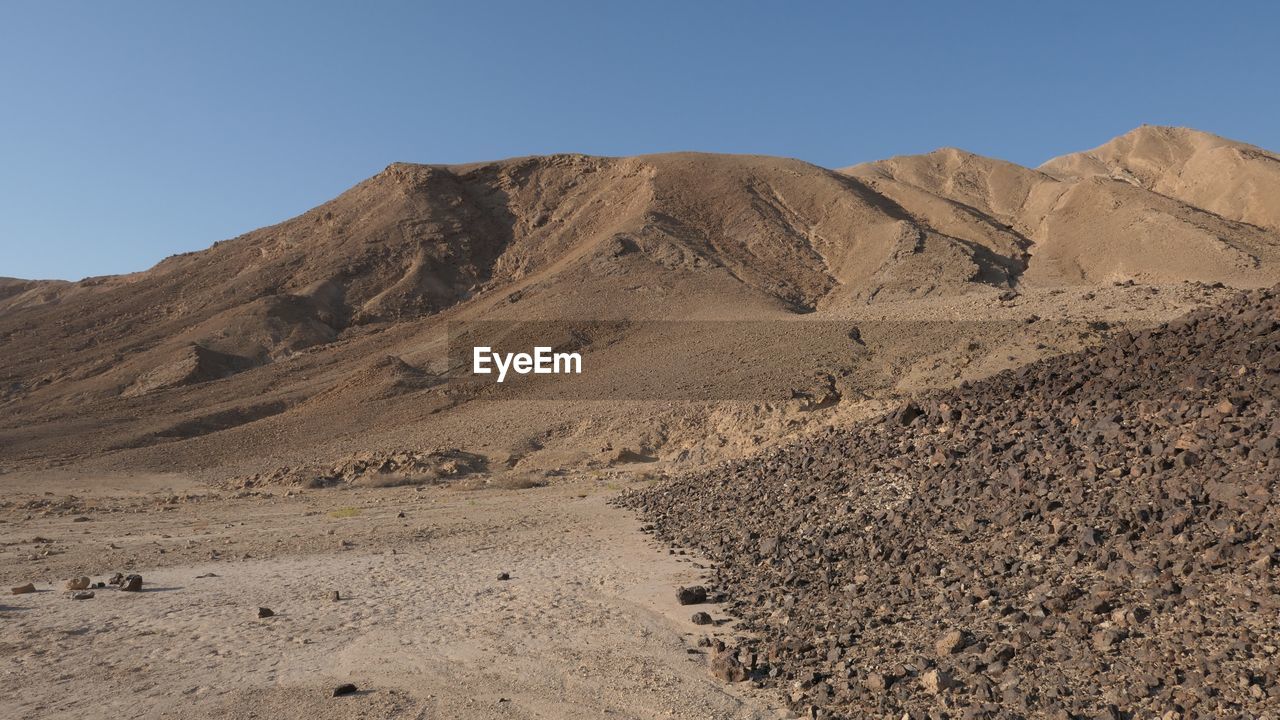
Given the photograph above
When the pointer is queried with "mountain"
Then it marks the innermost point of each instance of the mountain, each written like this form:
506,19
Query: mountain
328,334
1156,205
1227,178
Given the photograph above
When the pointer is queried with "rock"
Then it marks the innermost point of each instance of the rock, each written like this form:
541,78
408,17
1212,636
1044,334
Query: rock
876,682
1105,640
265,612
82,595
345,689
727,667
1071,527
908,414
116,579
937,681
131,583
24,589
1001,653
504,576
700,618
335,596
950,643
80,583
769,546
691,595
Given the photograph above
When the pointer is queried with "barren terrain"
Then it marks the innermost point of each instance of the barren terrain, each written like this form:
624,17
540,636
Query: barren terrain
587,626
853,391
292,348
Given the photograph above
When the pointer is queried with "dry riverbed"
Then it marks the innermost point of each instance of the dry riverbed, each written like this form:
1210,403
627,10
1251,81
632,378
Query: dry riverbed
586,626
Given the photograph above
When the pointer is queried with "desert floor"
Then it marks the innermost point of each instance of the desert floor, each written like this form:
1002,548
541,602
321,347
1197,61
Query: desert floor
587,626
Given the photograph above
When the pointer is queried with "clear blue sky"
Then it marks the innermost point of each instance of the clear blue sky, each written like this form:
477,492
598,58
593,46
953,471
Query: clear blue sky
134,130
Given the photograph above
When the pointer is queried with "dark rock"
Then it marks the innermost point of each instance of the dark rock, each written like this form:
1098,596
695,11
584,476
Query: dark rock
265,612
727,667
1105,640
908,414
345,689
691,595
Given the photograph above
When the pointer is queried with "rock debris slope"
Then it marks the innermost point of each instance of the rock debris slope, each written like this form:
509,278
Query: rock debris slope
1093,535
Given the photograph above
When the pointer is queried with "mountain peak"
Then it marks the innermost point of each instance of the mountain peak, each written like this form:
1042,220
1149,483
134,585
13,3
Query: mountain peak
1226,177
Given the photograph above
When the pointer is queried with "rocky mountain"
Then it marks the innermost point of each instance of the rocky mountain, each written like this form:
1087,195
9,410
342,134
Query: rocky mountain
296,340
1155,205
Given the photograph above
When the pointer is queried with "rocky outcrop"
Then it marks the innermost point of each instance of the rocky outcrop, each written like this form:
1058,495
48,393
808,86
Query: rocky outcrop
1093,535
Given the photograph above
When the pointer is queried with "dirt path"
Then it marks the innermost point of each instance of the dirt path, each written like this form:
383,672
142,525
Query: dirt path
587,626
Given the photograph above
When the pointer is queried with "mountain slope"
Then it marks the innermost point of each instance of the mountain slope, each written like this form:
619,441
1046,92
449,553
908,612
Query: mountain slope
328,332
415,240
1224,177
1155,205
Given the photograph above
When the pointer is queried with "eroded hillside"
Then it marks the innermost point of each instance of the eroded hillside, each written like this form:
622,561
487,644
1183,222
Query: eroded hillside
327,334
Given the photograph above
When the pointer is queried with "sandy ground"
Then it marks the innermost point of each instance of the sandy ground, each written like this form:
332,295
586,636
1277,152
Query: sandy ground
587,626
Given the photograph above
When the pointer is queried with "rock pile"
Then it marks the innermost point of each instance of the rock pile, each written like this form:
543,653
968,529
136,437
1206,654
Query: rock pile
406,467
1093,535
127,583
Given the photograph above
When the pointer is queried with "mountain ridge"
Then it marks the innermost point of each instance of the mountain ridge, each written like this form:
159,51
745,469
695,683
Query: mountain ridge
279,317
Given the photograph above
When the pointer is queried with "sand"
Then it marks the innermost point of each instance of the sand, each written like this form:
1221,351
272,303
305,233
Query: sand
586,627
